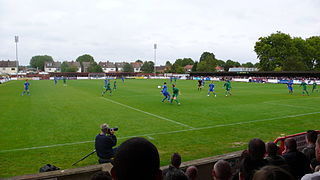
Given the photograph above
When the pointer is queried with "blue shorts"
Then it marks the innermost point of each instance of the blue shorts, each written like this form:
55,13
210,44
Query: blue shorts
166,94
211,90
290,88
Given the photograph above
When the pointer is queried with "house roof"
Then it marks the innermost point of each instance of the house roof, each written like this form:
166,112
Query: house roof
119,64
52,64
136,64
188,67
8,63
107,64
161,68
74,63
219,68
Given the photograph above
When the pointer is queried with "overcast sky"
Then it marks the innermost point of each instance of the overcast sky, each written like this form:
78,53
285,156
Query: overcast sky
125,30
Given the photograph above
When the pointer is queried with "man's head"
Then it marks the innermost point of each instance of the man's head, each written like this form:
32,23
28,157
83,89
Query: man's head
173,85
104,128
176,160
290,145
164,83
221,170
256,148
272,148
311,136
318,148
136,158
272,173
192,172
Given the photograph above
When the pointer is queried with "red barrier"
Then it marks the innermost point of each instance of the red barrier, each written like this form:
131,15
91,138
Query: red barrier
300,138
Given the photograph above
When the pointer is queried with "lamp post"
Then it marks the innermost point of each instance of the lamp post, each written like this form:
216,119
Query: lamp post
16,40
155,57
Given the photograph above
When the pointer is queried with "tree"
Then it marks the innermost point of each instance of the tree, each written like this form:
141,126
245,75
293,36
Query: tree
38,61
139,61
229,64
147,67
207,63
65,67
84,58
278,49
94,67
194,67
247,65
168,64
220,63
314,48
127,67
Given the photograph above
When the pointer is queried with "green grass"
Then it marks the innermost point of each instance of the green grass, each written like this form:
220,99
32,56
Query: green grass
58,115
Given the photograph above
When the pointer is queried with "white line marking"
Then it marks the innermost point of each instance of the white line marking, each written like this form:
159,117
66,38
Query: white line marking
150,137
289,105
160,117
163,133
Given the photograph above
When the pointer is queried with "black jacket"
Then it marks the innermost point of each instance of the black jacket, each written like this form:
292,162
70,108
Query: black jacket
104,144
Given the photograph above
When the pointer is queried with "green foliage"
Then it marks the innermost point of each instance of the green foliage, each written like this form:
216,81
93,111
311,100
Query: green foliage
139,61
127,67
194,67
221,63
65,67
229,64
84,58
247,65
278,49
94,67
168,64
147,67
179,64
207,63
38,61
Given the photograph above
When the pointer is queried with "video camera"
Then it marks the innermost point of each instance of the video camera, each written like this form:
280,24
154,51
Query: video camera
112,129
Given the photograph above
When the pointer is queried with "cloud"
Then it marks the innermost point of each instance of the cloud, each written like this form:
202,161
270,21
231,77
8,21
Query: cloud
127,29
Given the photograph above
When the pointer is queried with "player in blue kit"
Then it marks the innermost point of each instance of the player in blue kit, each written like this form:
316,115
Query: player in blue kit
165,92
211,89
290,86
26,88
55,80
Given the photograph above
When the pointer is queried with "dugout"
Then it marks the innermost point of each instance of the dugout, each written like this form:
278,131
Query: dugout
282,74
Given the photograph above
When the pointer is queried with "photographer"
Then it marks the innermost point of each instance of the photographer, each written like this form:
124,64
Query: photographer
104,143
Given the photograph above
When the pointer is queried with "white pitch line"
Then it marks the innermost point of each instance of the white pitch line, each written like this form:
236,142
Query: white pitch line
154,115
164,133
289,105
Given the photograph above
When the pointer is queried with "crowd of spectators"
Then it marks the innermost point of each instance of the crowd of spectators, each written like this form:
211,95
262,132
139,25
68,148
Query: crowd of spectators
138,158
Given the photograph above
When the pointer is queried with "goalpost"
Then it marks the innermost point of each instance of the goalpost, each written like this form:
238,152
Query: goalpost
96,75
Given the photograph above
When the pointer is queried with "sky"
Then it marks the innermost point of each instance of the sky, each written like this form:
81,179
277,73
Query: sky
126,30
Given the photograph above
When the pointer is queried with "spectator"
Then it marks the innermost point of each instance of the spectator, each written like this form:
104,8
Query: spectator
221,170
272,156
272,173
175,174
311,138
316,174
253,160
175,163
101,175
297,161
192,172
136,158
104,144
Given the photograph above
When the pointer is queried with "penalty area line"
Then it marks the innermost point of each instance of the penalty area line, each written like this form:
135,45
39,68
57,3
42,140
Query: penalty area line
154,115
167,132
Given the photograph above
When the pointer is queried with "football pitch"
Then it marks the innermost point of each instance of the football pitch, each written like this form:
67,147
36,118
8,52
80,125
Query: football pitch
57,124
